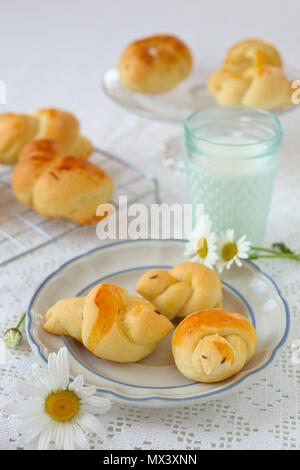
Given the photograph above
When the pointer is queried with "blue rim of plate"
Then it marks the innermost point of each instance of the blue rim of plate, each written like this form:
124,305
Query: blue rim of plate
144,268
158,398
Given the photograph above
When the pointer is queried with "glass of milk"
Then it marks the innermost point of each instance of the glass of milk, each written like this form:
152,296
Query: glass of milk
231,158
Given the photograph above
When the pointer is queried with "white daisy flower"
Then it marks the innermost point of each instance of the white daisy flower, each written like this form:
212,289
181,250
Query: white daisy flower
58,411
231,251
202,246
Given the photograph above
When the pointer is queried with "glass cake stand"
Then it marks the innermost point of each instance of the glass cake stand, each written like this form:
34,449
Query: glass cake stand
175,106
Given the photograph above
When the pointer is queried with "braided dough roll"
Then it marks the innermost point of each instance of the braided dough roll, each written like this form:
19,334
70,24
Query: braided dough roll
55,186
110,323
186,288
252,75
16,130
213,345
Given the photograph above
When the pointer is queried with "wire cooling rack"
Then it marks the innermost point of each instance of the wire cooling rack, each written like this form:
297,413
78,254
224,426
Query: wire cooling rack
22,230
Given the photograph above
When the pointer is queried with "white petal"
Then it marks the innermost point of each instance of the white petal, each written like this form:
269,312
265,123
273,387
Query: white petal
33,427
64,366
88,422
87,391
190,249
194,257
69,441
96,405
242,239
220,266
189,253
41,379
38,371
212,238
58,366
80,439
243,244
203,226
243,247
45,438
25,408
54,379
59,435
230,235
237,261
28,389
229,263
77,383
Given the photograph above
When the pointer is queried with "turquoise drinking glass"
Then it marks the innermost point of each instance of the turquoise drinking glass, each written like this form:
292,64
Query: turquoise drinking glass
231,159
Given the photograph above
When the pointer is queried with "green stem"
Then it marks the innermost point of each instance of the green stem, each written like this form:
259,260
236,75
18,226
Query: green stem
21,321
273,254
264,256
268,250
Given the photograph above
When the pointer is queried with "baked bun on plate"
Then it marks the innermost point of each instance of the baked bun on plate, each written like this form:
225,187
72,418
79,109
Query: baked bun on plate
186,288
155,64
110,323
213,345
252,75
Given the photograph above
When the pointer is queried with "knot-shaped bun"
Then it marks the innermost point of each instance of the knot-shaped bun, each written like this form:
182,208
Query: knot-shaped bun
55,186
252,53
16,130
213,345
155,64
186,288
112,324
251,75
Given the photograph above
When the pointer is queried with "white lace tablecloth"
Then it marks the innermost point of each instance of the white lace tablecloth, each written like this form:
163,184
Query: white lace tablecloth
55,54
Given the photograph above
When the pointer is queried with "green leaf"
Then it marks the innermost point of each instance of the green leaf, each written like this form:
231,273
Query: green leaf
282,248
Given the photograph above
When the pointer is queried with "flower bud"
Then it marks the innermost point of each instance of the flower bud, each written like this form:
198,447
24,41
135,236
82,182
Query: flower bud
12,337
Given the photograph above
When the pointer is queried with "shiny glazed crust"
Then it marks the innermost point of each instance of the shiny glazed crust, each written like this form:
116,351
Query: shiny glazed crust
113,324
155,64
213,345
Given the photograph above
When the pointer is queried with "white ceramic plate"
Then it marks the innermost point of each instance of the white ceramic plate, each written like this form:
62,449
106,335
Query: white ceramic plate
189,96
155,381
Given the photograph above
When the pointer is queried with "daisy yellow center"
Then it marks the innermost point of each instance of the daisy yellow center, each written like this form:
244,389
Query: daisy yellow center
202,249
62,405
229,251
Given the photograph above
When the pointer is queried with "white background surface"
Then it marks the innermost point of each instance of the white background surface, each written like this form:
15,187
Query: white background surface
53,53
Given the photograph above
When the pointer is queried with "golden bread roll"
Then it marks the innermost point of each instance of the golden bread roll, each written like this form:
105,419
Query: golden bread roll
16,130
112,324
72,188
213,345
155,64
186,288
63,187
252,75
